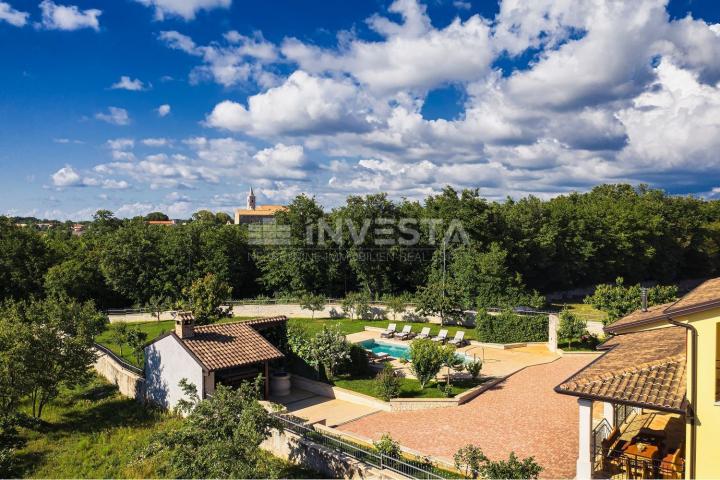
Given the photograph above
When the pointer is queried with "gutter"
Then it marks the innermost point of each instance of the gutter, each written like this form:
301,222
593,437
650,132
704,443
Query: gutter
692,331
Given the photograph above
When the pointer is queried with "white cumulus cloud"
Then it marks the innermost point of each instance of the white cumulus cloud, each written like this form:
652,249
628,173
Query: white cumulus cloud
127,83
68,17
186,9
163,110
115,116
13,17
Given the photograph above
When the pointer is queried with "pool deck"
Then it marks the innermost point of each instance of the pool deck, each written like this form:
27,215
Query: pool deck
496,362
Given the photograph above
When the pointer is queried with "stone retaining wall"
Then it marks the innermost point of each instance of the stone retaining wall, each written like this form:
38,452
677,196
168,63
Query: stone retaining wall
129,383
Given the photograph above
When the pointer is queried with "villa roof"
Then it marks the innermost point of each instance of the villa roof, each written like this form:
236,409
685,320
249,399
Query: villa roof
227,345
644,369
260,210
703,297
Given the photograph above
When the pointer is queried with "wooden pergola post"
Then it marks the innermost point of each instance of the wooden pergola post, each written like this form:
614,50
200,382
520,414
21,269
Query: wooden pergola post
267,380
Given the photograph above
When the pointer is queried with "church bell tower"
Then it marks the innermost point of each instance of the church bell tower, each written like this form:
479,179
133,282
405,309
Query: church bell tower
251,200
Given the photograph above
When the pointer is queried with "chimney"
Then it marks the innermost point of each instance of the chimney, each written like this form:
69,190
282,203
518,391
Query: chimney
184,325
643,298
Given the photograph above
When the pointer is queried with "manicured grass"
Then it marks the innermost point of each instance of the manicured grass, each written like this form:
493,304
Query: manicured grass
409,388
584,311
93,432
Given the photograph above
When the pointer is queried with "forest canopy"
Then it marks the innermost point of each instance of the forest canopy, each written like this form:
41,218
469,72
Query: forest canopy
510,249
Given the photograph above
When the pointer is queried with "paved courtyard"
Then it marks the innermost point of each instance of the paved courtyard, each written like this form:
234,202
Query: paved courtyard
523,414
315,408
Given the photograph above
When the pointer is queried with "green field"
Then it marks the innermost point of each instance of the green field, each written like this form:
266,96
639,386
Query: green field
94,432
584,311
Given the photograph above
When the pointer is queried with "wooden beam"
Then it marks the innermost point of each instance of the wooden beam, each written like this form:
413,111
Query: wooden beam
267,380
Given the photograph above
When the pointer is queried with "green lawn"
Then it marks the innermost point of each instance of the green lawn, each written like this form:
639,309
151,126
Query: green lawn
93,432
347,326
584,311
409,388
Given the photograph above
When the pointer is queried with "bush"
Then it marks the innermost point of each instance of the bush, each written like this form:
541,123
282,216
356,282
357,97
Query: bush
511,328
387,383
358,364
571,326
475,463
387,446
618,300
474,368
426,359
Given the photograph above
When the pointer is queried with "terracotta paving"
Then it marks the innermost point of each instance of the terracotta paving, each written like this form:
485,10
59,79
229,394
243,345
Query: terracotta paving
523,414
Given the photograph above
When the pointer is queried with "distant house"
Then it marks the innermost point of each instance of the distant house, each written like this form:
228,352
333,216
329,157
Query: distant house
226,353
166,223
78,229
254,213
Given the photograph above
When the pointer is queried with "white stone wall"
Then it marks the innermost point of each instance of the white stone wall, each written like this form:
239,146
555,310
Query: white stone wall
129,383
166,363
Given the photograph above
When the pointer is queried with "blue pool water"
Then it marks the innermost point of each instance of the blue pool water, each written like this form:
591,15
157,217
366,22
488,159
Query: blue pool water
397,351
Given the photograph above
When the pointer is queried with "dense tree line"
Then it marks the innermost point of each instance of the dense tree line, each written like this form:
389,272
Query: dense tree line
501,252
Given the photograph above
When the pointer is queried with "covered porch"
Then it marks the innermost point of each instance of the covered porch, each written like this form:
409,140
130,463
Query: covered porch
632,407
633,442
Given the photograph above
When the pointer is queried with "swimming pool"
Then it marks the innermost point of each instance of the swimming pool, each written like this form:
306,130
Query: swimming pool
392,349
398,350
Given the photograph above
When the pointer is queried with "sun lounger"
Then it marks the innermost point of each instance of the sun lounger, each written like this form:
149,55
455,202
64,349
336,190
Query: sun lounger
377,357
390,331
459,339
441,336
424,333
406,333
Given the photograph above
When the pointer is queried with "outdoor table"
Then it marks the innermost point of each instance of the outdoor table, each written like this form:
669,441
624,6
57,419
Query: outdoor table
633,456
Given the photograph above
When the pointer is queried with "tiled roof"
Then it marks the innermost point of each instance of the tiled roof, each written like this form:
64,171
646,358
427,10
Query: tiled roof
227,345
260,323
643,368
704,296
655,312
262,210
705,293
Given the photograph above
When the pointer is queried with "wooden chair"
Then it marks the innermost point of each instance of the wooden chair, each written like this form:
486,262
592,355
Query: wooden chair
673,463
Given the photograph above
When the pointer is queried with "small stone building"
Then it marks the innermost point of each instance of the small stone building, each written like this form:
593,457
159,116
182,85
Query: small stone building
207,355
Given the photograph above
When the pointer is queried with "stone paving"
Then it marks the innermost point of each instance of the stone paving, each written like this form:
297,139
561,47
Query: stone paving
522,414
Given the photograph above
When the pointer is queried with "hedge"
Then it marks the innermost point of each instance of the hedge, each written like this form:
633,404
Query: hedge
508,327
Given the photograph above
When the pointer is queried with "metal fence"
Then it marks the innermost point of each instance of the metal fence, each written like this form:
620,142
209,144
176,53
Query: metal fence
617,464
418,469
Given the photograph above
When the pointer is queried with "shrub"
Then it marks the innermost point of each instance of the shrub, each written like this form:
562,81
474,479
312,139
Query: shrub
312,302
618,300
474,368
427,358
511,328
571,326
387,446
387,383
358,363
469,458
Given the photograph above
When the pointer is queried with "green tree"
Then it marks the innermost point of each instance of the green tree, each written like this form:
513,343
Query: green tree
63,330
426,359
396,304
220,438
157,305
136,340
387,383
513,467
156,217
387,446
119,335
330,349
571,326
24,259
312,302
469,459
206,296
618,300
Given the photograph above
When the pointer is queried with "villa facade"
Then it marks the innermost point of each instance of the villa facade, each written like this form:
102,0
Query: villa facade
657,391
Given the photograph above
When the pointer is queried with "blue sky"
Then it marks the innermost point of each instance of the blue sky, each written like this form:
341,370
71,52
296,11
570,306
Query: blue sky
333,98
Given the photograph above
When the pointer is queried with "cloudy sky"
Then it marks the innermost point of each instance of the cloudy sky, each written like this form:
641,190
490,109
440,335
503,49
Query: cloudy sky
177,105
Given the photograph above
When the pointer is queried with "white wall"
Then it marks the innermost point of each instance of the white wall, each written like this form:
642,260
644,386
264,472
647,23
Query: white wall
166,363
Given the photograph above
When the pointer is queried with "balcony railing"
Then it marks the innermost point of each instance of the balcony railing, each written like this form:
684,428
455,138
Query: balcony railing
617,464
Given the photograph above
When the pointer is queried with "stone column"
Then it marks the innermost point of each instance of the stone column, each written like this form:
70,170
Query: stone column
584,461
609,413
553,323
